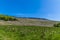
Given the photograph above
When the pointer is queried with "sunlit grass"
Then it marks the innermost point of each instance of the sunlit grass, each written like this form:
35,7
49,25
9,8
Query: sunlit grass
11,32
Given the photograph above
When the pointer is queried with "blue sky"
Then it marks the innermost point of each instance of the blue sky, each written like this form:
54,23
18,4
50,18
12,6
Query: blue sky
49,9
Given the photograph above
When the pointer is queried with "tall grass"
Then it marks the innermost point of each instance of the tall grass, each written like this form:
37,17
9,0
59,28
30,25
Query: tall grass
11,32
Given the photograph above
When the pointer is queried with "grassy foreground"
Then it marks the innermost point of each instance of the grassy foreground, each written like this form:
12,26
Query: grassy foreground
29,33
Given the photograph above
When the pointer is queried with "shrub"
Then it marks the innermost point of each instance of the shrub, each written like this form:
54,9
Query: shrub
57,25
7,18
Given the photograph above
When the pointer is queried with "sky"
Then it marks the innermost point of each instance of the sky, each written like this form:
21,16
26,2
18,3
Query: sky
49,9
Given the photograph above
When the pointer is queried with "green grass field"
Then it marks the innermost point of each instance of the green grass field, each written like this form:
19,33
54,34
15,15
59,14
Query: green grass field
29,33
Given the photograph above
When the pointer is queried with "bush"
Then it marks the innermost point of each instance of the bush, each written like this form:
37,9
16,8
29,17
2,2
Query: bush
7,18
57,25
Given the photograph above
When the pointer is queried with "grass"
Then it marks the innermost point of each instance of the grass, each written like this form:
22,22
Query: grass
12,32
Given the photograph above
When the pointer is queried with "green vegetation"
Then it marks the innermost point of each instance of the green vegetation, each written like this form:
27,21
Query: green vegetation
7,18
57,25
11,32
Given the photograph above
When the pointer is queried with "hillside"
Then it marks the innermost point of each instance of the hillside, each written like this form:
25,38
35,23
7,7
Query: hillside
28,29
26,21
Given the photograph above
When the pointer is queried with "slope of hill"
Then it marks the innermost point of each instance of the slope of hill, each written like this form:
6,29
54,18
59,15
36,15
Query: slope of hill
36,22
26,21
